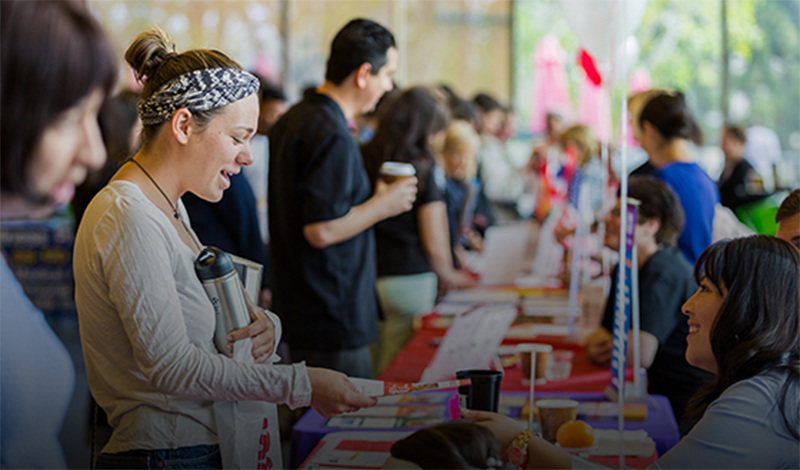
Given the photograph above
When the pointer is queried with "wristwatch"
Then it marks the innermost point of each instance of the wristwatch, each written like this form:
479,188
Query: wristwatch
518,450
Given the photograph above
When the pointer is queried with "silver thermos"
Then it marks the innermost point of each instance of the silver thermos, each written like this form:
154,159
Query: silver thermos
215,269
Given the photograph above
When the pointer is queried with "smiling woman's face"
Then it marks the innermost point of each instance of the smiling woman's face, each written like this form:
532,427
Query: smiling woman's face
221,149
69,148
702,309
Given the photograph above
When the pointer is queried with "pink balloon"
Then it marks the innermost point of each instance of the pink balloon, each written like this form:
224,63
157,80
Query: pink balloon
550,89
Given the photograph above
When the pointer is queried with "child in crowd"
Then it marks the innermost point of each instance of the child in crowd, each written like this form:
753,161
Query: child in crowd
462,187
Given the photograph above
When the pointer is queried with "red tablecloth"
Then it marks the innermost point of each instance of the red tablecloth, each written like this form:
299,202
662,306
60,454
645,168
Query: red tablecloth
585,377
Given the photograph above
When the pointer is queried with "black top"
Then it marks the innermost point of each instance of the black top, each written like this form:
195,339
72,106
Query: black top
326,298
230,224
665,283
743,186
398,241
645,169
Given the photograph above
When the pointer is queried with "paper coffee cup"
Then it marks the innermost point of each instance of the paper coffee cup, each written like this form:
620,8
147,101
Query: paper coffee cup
542,352
553,413
393,171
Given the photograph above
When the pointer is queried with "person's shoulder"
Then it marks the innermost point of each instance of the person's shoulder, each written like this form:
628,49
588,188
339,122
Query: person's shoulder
120,208
743,166
761,392
315,113
669,265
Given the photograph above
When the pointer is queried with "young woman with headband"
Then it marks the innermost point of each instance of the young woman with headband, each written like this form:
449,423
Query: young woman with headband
146,322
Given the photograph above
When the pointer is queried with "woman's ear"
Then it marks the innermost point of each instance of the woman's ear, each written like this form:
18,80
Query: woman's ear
181,125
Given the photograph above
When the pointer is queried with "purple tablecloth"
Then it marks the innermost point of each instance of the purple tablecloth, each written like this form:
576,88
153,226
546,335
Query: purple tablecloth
660,424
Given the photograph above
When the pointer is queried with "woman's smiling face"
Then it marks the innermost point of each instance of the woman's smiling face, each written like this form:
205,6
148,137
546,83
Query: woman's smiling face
702,309
222,149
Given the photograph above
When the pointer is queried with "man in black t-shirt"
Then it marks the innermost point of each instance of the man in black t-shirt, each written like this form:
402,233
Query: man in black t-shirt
321,208
739,184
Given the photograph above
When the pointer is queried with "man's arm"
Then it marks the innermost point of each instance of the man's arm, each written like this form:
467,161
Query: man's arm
388,201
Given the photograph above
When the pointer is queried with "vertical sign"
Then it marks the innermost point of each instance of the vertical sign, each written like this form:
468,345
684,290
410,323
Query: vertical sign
622,307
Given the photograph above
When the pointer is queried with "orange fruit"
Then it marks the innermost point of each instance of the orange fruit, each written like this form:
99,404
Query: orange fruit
575,435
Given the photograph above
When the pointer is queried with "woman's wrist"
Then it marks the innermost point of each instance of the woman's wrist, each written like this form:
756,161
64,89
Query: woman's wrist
517,452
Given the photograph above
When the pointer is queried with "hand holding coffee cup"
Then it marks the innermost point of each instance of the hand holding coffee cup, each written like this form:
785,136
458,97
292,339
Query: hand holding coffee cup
396,171
396,187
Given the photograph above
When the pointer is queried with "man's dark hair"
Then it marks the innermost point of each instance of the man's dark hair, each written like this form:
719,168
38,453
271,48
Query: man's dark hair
270,92
789,207
360,41
658,201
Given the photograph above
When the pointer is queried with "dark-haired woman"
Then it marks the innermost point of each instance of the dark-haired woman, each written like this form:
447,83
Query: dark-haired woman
665,282
57,68
147,325
667,129
413,248
744,327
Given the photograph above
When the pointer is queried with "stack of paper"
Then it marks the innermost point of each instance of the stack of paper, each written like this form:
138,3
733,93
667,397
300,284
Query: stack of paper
482,296
636,443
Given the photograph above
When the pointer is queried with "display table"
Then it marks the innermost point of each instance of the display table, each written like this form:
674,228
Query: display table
409,365
659,424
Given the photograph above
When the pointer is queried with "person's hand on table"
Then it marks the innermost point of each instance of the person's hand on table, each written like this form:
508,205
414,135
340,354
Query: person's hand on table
598,347
261,332
541,454
333,394
504,428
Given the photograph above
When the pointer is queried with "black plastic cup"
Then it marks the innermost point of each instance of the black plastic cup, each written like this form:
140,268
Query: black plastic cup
484,393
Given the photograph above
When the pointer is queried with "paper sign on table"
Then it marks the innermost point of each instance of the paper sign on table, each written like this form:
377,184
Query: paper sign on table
471,341
379,388
503,253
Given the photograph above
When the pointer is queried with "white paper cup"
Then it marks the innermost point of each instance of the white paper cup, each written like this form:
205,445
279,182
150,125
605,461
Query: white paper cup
553,412
542,352
393,171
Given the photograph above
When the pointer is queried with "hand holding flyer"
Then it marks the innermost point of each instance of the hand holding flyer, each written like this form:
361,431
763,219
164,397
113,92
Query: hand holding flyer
378,388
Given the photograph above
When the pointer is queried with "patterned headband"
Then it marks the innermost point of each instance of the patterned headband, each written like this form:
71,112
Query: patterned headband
200,90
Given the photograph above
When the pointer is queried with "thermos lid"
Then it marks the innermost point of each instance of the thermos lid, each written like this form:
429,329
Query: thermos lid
213,263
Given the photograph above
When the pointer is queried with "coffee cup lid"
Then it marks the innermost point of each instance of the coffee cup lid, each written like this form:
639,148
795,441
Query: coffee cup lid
556,403
538,347
398,169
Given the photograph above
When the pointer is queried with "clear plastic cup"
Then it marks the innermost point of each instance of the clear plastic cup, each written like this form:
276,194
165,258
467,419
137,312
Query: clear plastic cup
560,365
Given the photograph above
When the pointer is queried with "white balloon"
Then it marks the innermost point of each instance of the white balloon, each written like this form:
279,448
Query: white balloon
599,24
626,58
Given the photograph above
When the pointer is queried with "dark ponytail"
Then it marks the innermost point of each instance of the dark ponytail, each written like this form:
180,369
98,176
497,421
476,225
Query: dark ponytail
669,114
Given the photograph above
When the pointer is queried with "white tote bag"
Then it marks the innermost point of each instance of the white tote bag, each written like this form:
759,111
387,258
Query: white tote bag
248,433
